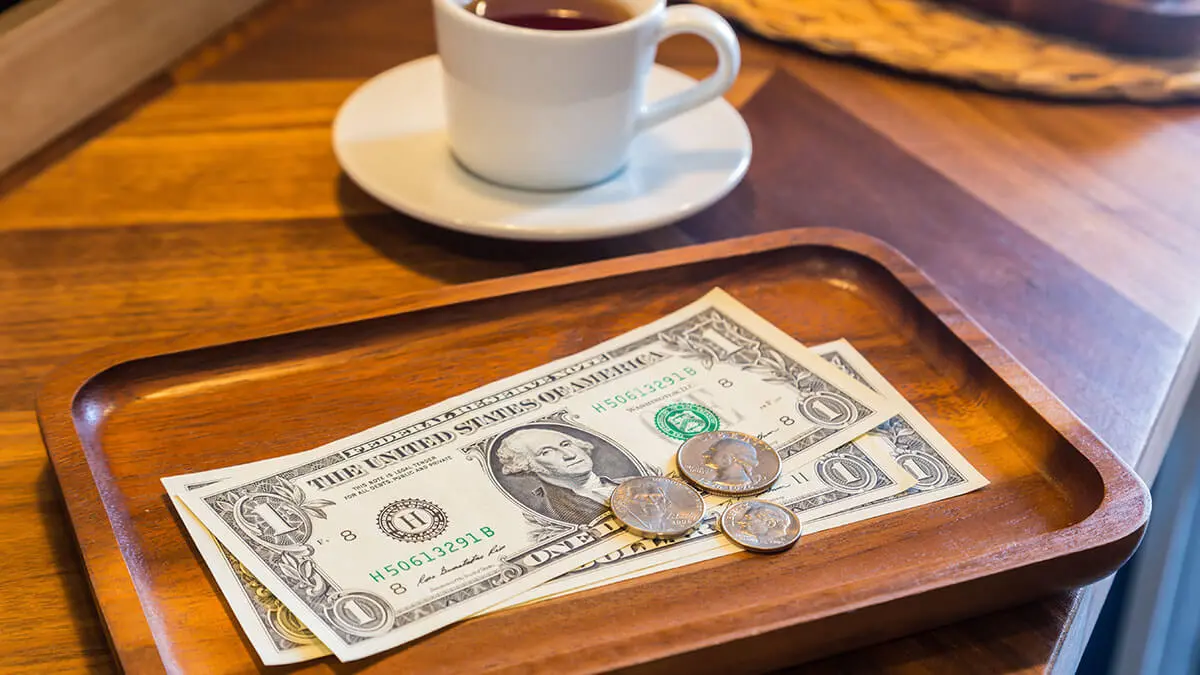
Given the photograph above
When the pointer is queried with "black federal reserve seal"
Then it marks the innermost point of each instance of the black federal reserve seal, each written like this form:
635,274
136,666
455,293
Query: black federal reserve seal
729,463
413,520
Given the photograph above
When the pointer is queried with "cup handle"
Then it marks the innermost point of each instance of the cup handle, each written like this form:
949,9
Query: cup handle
711,26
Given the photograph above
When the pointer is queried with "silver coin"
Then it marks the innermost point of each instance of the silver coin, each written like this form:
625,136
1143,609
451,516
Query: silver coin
762,526
729,463
656,506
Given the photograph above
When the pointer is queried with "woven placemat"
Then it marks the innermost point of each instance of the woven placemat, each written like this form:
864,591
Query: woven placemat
957,44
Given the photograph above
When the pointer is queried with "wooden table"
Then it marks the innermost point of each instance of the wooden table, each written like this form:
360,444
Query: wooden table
210,198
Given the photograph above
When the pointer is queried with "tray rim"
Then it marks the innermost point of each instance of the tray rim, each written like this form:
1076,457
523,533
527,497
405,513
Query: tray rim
1126,499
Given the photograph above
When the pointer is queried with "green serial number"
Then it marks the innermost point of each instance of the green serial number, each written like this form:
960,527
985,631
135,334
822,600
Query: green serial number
432,554
644,390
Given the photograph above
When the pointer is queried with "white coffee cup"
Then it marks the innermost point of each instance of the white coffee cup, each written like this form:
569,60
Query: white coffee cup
553,110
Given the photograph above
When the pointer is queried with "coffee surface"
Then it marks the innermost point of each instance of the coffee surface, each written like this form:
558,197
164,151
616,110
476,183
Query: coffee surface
552,14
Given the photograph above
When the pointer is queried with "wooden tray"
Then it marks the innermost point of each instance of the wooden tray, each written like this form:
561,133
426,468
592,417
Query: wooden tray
1061,510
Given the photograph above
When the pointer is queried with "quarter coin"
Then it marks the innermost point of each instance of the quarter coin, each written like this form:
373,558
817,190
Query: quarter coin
729,463
656,506
762,526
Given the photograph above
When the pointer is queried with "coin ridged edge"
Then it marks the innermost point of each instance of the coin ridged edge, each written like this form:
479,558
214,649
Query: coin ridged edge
758,549
724,493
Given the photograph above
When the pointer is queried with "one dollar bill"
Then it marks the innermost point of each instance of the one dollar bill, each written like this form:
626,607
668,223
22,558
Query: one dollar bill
931,469
389,534
276,633
939,471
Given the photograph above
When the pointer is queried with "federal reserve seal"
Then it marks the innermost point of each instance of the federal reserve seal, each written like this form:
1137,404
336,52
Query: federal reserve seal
681,421
413,520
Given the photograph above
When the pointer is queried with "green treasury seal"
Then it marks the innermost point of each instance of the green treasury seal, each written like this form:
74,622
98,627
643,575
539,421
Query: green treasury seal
684,420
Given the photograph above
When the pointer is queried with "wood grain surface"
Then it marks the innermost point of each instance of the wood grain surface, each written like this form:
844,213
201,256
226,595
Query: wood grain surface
204,203
1060,509
62,60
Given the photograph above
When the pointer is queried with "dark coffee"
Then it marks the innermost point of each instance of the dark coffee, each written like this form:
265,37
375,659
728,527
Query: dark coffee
552,14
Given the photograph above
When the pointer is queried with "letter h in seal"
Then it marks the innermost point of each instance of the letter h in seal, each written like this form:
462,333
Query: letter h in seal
413,520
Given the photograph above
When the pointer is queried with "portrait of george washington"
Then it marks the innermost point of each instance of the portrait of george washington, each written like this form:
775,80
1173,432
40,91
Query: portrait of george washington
560,471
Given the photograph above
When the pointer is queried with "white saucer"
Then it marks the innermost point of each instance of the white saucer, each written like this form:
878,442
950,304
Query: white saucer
389,137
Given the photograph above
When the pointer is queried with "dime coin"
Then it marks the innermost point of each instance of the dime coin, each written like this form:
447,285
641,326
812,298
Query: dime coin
729,463
762,526
656,506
